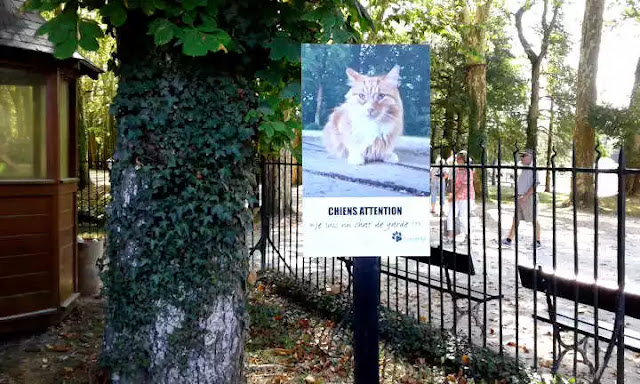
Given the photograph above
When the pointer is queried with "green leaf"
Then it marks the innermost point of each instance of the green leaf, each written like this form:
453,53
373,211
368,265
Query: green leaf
66,49
89,34
189,4
292,90
283,48
217,40
209,24
115,12
188,18
160,4
193,42
163,31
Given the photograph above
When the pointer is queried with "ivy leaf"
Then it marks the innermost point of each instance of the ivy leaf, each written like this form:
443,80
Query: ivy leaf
162,30
285,48
115,12
89,34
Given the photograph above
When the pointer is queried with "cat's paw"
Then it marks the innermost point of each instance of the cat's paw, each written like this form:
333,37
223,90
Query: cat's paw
392,158
355,160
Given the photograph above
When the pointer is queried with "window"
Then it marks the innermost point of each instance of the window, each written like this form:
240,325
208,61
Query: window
22,125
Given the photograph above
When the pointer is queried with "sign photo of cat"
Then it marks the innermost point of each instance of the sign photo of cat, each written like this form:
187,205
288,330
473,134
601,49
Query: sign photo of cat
366,120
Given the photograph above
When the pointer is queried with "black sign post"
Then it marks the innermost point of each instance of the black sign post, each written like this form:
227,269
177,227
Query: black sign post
366,298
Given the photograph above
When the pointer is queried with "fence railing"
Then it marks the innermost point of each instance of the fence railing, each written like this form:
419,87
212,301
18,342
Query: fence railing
566,306
94,194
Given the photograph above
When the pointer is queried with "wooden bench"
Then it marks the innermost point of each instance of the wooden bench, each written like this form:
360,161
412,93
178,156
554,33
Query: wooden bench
450,262
589,293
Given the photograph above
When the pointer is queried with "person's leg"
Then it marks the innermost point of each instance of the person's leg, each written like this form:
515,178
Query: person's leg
450,221
463,215
537,230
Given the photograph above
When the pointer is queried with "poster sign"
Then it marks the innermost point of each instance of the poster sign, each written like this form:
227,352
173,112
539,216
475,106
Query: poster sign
365,150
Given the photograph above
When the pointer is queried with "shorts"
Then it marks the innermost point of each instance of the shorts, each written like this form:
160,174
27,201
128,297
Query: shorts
525,209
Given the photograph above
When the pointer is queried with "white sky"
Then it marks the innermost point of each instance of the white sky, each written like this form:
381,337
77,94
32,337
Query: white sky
619,50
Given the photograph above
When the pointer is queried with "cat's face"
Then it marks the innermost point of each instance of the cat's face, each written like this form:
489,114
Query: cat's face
375,97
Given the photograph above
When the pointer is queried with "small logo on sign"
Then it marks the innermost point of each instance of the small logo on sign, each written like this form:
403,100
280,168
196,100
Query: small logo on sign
397,236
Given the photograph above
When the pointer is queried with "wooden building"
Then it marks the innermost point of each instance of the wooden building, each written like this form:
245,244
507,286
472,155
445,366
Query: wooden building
38,173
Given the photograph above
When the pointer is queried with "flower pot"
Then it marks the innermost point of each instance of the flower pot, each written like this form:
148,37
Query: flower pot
89,251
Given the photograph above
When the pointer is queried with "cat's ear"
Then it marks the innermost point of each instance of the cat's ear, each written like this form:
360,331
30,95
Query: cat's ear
393,77
353,76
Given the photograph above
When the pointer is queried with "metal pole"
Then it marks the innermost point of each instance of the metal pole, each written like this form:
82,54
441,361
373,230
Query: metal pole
366,297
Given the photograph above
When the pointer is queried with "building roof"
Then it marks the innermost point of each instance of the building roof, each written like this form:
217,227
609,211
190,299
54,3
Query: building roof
18,30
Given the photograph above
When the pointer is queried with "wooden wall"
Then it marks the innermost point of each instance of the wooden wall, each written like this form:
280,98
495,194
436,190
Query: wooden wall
37,250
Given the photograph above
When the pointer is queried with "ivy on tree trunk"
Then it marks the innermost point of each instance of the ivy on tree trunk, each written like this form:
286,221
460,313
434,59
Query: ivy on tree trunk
177,260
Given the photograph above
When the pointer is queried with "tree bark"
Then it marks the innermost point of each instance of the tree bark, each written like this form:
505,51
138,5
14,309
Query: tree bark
536,62
474,37
547,185
584,134
175,289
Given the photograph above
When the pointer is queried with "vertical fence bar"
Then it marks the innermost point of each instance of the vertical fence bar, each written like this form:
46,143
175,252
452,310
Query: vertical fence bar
622,212
500,302
535,260
575,257
485,193
554,255
596,205
516,236
469,173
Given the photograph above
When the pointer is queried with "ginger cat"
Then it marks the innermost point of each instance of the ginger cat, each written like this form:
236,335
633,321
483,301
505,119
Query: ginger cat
365,127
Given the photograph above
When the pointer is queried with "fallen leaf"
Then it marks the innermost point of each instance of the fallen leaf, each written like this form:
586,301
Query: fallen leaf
68,369
58,348
282,351
465,359
260,287
423,319
310,379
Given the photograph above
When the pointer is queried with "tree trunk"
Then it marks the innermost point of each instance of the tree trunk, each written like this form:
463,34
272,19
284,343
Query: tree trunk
316,118
547,184
584,134
477,86
534,109
177,260
474,36
633,145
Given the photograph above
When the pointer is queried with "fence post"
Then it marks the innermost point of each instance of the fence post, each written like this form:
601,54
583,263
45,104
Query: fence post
366,297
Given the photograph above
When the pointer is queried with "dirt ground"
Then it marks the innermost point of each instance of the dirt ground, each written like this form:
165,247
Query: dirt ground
65,353
284,345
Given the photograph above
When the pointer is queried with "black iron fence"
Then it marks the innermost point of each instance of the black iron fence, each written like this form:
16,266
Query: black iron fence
94,194
568,305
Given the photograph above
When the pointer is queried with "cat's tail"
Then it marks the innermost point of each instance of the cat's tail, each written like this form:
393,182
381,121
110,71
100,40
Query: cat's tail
332,138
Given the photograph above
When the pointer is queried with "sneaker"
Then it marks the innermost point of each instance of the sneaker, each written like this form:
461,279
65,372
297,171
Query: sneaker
506,243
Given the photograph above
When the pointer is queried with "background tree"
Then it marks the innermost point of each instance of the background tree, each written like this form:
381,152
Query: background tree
536,61
189,122
474,17
561,94
586,95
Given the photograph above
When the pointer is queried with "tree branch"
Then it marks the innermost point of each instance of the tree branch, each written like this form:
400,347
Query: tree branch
523,40
548,29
